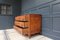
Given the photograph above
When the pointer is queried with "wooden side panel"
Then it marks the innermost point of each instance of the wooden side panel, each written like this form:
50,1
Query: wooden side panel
35,24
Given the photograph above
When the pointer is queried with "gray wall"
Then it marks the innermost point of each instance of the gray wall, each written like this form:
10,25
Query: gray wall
7,21
50,11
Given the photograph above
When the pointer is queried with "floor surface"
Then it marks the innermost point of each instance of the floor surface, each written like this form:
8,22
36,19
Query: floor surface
11,34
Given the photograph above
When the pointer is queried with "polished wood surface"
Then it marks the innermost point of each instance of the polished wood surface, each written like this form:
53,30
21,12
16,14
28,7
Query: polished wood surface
28,24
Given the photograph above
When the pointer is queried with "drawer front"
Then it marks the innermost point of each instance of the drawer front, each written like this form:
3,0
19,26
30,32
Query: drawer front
22,31
25,31
18,29
22,24
17,18
19,23
20,18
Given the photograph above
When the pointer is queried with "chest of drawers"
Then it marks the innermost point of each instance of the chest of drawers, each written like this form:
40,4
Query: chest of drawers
28,24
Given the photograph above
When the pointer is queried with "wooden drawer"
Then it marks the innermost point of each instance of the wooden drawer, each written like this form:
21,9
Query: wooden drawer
18,29
20,18
19,23
17,18
22,24
25,31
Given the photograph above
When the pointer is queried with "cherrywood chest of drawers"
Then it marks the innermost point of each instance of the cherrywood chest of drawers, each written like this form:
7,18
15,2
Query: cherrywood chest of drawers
28,24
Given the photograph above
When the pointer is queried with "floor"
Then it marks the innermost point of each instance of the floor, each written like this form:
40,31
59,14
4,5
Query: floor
11,34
